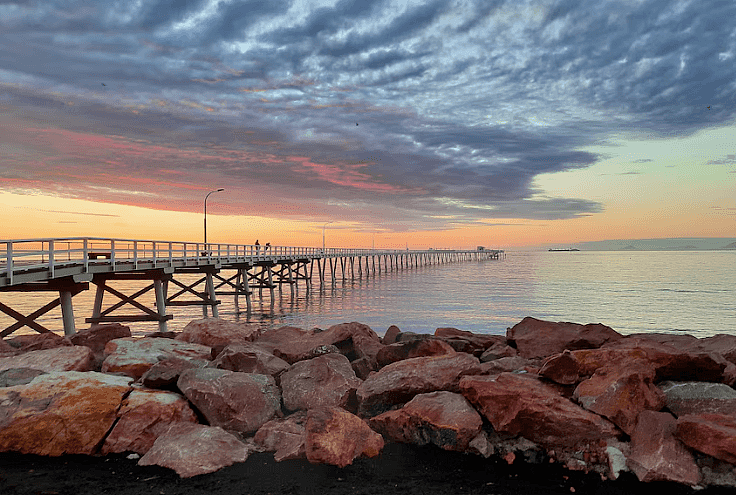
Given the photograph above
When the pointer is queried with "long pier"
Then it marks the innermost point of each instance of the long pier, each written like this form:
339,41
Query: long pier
68,265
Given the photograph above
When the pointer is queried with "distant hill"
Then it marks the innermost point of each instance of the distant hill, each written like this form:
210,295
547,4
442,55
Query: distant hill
666,244
730,246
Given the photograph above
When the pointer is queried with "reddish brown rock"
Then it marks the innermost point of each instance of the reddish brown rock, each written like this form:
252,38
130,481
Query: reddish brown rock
240,402
97,336
412,349
523,405
192,449
656,455
366,350
445,419
18,376
143,417
620,395
538,339
464,341
60,412
327,380
676,340
165,374
336,437
286,437
722,344
133,357
712,434
699,397
249,358
70,358
217,333
7,349
399,382
506,364
562,368
497,351
38,342
390,335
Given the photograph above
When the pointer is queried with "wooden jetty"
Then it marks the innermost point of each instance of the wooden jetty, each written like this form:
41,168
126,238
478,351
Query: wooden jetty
68,265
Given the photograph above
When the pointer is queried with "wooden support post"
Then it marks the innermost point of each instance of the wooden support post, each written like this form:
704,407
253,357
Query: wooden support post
158,287
67,312
212,296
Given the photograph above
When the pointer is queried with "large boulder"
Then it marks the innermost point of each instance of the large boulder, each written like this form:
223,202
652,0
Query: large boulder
391,334
240,402
133,357
656,455
165,373
399,382
699,397
286,437
336,437
60,412
191,449
96,338
38,342
523,405
412,349
249,358
464,341
217,333
7,349
538,339
18,376
712,434
67,358
723,344
445,419
327,380
143,417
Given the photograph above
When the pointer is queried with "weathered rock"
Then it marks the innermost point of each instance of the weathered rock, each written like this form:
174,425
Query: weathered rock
18,376
712,434
249,358
656,455
165,374
408,336
143,417
506,364
399,382
286,437
699,397
336,437
497,351
412,349
678,341
97,336
328,380
445,419
523,405
723,344
464,341
7,349
538,339
38,342
133,357
60,412
390,335
562,368
236,401
620,395
366,349
191,449
71,358
217,333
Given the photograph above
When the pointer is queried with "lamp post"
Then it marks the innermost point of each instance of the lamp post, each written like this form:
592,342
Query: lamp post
323,235
205,216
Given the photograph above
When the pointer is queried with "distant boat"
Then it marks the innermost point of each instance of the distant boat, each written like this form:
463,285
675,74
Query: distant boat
568,249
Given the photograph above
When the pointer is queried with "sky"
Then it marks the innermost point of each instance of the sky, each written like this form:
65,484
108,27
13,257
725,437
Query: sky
390,124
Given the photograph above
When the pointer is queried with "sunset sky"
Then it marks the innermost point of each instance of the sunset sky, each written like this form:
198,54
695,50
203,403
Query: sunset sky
417,124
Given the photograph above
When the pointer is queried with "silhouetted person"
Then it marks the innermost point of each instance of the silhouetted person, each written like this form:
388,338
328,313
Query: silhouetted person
258,247
266,247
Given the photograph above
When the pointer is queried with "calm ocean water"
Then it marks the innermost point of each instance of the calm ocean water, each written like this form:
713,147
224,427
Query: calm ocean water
644,291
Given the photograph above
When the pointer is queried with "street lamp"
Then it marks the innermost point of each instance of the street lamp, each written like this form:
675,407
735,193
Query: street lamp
323,235
205,215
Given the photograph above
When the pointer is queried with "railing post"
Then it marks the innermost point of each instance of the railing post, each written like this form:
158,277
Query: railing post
9,254
51,259
153,249
135,254
171,254
112,254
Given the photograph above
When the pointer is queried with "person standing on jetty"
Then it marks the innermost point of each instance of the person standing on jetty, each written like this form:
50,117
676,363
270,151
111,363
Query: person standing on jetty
258,247
266,247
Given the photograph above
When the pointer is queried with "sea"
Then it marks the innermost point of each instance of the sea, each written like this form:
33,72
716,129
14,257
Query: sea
680,292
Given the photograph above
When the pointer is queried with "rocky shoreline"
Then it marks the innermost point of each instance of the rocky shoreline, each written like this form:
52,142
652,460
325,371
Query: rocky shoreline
581,399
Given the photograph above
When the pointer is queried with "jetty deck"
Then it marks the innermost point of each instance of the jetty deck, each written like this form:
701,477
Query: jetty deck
68,265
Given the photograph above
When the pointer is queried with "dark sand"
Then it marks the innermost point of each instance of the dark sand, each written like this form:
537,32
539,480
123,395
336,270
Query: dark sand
400,470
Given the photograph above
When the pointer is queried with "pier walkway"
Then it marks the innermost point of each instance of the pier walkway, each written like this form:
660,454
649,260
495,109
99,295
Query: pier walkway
68,265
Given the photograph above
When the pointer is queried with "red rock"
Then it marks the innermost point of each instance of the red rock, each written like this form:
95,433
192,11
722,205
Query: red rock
538,339
366,349
712,434
192,449
249,358
60,412
699,397
412,349
143,417
236,401
217,333
620,395
327,380
38,342
506,364
522,405
678,341
464,341
497,351
7,349
399,382
56,359
723,344
390,335
18,376
97,336
286,437
133,357
336,437
656,455
445,419
165,374
562,368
